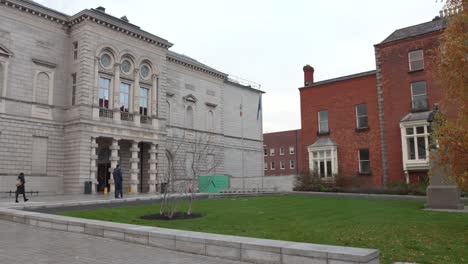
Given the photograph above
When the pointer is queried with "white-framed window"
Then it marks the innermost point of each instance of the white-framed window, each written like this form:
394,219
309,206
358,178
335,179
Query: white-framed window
281,150
272,152
416,60
323,121
265,151
265,165
323,161
73,92
415,138
104,86
75,50
418,96
124,96
291,150
144,96
364,161
282,165
272,165
292,164
361,116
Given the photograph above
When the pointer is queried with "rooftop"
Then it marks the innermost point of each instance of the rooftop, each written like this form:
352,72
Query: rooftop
342,78
435,25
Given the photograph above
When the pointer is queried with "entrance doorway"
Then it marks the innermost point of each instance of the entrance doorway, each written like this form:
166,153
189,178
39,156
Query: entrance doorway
103,176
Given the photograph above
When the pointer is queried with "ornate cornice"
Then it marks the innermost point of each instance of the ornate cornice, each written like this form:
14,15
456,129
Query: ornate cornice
37,10
195,67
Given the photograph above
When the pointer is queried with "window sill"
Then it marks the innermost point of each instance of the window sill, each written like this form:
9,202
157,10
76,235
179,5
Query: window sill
414,71
323,133
364,173
362,129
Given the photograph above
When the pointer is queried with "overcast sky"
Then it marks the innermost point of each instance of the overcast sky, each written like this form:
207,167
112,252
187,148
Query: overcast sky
269,41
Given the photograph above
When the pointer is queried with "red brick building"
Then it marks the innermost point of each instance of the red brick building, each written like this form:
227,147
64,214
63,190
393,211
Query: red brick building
340,127
281,152
373,125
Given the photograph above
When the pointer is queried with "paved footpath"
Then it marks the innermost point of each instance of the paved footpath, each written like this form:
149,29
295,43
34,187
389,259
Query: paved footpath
32,245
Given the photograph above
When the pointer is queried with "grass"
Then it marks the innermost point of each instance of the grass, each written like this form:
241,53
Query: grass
399,229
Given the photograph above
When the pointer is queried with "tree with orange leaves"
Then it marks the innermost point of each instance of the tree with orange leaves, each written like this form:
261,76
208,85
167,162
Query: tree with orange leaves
451,124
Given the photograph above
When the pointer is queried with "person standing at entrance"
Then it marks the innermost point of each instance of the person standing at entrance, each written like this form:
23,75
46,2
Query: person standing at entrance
20,181
118,182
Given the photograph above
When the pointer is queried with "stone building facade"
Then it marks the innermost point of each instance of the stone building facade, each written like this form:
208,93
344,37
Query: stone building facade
80,94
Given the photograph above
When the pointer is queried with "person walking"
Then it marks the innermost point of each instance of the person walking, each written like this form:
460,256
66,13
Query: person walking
20,181
118,182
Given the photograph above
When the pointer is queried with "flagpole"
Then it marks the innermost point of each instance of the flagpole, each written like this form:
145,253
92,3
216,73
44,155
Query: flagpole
242,141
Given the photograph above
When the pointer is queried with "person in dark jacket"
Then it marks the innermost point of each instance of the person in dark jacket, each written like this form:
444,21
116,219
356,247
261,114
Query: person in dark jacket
20,187
118,182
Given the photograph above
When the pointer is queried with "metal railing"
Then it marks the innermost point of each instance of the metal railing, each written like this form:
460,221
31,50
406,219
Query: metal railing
126,116
145,119
106,113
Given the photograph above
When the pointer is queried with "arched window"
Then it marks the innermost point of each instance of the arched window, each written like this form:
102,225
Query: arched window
42,88
189,117
210,121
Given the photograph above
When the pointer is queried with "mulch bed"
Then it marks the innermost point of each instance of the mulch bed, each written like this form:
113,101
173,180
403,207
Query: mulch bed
175,216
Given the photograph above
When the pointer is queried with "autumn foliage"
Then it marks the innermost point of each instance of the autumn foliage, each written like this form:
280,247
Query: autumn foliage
451,125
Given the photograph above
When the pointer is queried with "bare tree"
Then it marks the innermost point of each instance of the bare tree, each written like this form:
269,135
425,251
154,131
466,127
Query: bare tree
194,152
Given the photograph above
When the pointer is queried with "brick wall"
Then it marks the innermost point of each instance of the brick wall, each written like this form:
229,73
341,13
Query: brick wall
340,99
285,140
392,60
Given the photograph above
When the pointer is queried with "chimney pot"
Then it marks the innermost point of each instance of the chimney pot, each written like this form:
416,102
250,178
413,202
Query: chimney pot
124,18
308,75
100,8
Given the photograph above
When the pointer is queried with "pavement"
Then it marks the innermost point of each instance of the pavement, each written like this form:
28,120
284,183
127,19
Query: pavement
21,243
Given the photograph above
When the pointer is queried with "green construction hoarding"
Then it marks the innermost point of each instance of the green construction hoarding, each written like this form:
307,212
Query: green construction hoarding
213,184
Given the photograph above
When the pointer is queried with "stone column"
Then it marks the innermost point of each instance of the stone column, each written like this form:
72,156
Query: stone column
136,99
115,98
134,160
93,169
153,170
96,89
114,161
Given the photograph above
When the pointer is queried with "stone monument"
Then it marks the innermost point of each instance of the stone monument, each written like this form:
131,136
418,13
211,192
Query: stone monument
442,192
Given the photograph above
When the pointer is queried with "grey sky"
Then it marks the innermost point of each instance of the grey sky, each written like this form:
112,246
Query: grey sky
269,41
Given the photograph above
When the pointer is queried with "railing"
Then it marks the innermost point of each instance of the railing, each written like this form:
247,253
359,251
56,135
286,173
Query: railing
419,105
145,119
106,113
126,116
11,193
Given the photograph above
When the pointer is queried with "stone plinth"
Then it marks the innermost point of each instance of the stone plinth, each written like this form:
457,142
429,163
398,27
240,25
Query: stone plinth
443,197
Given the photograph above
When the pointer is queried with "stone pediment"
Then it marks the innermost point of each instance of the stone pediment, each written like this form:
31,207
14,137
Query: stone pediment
5,52
190,98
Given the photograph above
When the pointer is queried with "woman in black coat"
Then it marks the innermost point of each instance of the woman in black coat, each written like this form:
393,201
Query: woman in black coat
20,187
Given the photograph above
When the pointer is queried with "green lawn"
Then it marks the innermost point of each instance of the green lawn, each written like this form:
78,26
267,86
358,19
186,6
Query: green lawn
399,229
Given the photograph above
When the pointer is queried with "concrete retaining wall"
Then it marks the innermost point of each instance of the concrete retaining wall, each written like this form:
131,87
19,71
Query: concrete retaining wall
251,250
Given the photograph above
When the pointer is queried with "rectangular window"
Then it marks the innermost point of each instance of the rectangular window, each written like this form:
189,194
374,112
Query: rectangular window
418,96
416,60
265,165
291,150
282,165
104,85
281,151
272,167
364,161
265,152
292,164
39,155
75,50
323,121
73,89
272,152
417,141
361,116
124,96
144,101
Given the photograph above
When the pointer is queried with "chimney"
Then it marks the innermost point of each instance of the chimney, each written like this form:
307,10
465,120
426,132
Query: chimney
100,8
308,75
